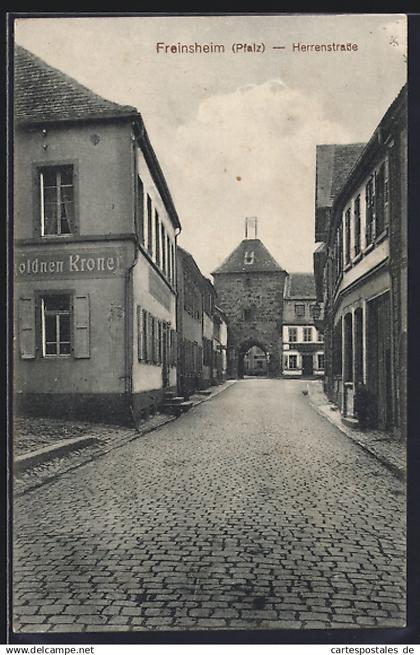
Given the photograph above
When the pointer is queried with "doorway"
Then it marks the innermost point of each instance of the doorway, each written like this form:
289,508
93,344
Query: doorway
307,365
252,359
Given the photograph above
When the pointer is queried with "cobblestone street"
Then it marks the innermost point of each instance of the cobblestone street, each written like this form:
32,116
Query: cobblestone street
251,511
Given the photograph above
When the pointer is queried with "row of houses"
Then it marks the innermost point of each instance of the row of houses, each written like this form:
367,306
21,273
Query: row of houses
361,272
202,327
115,319
112,315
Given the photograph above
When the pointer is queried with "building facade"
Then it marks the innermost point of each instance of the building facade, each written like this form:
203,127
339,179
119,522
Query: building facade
361,271
209,355
95,269
189,324
303,341
249,286
220,342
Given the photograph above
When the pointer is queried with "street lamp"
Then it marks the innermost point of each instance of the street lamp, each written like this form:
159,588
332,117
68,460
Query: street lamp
316,313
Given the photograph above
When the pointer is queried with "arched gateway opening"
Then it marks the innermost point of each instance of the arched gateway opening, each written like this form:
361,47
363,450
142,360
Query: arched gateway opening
253,359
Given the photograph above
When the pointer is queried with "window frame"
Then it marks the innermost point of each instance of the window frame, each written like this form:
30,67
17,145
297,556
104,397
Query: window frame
295,359
370,211
300,304
307,330
357,245
293,330
347,231
40,323
249,257
37,202
149,221
157,238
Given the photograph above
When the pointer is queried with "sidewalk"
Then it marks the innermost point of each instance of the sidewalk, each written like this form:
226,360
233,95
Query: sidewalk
45,448
385,447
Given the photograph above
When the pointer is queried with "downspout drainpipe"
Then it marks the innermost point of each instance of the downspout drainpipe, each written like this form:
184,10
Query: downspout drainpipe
177,327
129,293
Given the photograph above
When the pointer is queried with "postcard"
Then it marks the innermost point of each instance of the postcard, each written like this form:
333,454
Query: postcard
210,286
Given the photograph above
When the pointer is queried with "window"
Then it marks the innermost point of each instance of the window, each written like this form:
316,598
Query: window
307,334
173,264
57,200
144,348
320,336
340,249
370,211
357,226
300,309
249,257
55,325
337,348
320,361
160,337
207,352
382,193
154,338
386,187
163,246
292,362
347,220
140,210
292,334
149,225
173,347
348,348
168,257
157,238
248,314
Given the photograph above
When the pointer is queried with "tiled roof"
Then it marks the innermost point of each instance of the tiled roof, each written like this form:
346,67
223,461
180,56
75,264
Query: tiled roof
43,93
300,285
188,260
251,256
333,165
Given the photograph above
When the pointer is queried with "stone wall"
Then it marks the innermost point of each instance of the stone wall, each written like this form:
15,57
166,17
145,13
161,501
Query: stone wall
253,304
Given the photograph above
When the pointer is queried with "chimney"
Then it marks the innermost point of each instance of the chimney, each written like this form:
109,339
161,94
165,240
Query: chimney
251,227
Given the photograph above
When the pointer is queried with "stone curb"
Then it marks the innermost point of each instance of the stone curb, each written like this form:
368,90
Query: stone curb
22,462
394,468
216,393
135,434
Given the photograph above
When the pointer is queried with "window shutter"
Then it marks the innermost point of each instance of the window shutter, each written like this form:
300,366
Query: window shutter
139,333
155,341
81,348
149,338
27,327
146,336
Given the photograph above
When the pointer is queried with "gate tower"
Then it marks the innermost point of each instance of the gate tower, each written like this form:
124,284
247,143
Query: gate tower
249,286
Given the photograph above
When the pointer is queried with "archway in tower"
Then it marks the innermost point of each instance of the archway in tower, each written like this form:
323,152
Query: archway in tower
252,359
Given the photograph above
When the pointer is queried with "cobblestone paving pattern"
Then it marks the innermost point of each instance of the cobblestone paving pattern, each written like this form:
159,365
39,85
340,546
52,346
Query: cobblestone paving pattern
251,511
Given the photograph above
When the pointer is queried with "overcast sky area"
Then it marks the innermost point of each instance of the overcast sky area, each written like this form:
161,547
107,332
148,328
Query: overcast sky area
236,133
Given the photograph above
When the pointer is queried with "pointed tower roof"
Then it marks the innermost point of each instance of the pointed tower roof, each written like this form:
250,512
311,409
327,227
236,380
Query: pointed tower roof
251,256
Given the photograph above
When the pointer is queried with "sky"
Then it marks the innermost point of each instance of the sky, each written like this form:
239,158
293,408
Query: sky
236,133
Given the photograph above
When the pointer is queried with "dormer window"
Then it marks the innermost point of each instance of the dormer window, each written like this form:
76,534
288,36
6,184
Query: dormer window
249,257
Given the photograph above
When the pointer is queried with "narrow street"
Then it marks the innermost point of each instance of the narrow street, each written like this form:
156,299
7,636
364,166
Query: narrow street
251,511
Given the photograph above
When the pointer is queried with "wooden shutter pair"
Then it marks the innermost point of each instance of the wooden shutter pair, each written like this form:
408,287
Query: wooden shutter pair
27,327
